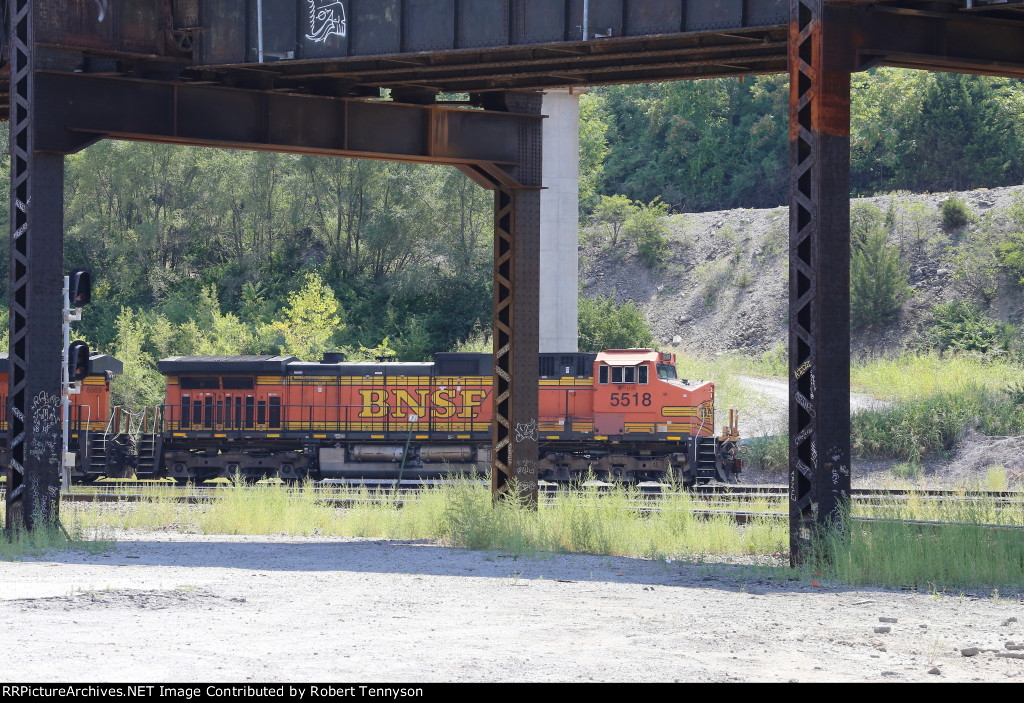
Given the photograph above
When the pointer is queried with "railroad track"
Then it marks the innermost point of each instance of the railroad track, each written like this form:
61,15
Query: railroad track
709,501
734,492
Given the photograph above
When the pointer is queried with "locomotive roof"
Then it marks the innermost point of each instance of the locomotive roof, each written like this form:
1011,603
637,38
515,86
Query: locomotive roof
225,364
356,368
628,357
99,363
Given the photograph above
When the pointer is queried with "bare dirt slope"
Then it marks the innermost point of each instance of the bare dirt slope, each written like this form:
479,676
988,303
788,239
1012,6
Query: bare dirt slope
724,285
173,607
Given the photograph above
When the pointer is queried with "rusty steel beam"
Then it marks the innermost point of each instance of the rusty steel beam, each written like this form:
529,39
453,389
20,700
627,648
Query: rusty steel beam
517,315
819,278
36,304
79,109
937,41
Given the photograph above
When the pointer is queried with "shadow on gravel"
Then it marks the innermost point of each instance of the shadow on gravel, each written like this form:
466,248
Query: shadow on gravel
423,558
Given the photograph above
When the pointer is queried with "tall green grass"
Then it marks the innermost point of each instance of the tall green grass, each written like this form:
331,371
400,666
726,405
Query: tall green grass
893,551
618,522
70,534
890,551
912,377
461,513
910,430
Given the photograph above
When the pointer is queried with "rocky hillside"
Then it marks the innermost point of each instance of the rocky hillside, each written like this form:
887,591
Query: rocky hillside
724,284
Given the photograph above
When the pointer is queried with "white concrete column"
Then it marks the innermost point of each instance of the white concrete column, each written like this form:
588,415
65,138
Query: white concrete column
559,223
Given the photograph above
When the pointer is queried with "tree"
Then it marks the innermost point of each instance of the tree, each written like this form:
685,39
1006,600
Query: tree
593,148
878,282
310,320
646,226
612,212
605,325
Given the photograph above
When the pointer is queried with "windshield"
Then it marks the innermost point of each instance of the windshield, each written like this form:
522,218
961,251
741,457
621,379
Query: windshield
666,371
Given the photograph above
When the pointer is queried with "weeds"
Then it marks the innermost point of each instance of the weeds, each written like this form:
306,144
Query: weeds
956,213
894,551
769,454
49,539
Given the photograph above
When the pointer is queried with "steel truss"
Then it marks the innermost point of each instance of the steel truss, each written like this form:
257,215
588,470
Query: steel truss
819,276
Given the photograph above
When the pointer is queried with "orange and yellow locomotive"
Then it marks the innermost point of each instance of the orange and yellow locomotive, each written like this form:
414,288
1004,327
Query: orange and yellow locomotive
623,414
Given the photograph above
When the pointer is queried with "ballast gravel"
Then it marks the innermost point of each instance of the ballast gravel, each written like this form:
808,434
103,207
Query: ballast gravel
171,607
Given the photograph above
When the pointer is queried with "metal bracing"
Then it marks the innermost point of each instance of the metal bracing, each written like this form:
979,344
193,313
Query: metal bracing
37,202
819,278
516,313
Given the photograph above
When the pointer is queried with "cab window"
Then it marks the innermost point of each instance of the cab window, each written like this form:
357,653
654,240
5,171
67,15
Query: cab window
641,374
666,371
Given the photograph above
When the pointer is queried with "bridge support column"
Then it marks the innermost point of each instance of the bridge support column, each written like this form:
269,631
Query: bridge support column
559,224
819,278
36,305
516,313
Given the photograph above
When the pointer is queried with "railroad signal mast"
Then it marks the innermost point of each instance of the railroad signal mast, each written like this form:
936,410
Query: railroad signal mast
75,366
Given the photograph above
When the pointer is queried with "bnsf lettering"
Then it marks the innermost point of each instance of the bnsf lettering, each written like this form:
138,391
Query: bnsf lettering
401,403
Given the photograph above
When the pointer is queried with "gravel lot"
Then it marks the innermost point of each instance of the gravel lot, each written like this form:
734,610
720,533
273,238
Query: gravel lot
175,607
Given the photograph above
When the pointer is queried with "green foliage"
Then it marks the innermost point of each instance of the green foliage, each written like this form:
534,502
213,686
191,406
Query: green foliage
878,282
698,144
895,550
593,149
719,144
612,213
959,326
768,454
605,325
646,226
976,264
310,320
1010,252
907,470
955,213
141,385
914,429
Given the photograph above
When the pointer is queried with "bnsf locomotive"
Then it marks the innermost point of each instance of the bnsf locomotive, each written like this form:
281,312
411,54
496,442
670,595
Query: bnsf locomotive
89,419
623,414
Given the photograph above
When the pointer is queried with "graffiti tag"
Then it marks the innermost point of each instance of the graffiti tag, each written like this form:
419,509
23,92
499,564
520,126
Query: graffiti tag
326,19
526,431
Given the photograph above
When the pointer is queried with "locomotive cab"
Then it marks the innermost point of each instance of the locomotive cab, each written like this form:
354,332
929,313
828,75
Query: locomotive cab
638,391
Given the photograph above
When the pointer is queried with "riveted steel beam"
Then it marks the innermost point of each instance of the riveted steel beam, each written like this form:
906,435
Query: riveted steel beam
819,278
36,305
516,314
81,108
938,41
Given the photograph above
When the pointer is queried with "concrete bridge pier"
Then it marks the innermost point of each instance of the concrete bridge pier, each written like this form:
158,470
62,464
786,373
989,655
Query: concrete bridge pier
559,222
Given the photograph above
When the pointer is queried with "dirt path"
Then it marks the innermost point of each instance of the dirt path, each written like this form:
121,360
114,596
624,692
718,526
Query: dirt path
172,607
772,419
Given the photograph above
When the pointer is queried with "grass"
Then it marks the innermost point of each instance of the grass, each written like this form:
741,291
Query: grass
768,454
890,551
911,377
894,552
910,430
460,514
724,371
70,534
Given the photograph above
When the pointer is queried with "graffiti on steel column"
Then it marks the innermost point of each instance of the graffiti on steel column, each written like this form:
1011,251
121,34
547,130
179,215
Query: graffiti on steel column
326,19
835,465
526,431
45,443
101,5
526,469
